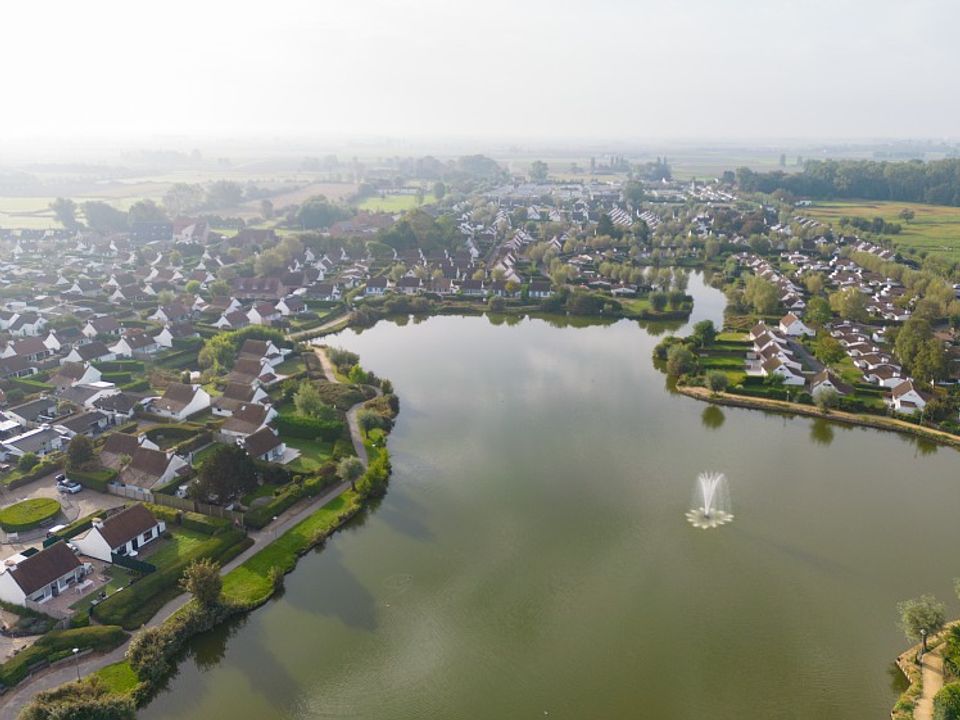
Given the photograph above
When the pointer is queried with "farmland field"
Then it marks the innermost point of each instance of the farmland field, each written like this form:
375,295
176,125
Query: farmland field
935,229
394,203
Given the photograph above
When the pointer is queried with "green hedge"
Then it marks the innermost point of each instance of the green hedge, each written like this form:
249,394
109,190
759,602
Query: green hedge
53,645
30,386
136,386
136,604
190,520
28,514
299,426
260,517
132,366
94,479
117,378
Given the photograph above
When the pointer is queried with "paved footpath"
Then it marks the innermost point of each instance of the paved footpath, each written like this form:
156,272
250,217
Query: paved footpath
17,697
932,678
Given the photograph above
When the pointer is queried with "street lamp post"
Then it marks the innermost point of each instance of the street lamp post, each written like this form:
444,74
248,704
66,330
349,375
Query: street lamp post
275,528
76,657
923,640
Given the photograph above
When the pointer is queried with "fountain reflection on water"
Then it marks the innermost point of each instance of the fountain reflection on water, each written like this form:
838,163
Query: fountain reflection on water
712,502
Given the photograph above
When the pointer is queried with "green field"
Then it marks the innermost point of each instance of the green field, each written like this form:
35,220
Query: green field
394,203
935,229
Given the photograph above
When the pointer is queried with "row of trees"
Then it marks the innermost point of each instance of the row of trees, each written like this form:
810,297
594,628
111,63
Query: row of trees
936,182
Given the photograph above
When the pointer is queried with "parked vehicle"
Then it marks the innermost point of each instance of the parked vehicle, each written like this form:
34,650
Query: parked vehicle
69,486
61,478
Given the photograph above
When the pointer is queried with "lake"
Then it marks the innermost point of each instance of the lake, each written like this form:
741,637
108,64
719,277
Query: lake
532,558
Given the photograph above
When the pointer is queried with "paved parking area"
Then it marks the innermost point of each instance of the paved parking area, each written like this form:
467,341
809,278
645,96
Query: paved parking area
83,503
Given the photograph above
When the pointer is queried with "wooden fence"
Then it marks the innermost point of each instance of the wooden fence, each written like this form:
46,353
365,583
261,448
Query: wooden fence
172,501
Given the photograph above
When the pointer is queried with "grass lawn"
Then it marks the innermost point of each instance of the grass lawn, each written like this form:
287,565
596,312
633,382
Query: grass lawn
262,491
394,203
28,514
733,337
250,583
934,229
120,577
199,457
181,545
119,677
313,454
290,367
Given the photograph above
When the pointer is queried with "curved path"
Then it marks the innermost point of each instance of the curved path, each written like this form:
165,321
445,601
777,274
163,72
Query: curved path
13,701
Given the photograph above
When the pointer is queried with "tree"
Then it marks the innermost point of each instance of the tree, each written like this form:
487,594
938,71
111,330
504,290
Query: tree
87,700
65,211
192,287
146,211
308,402
658,301
680,361
849,304
266,208
27,462
704,333
717,381
349,470
182,198
104,218
538,171
219,288
815,283
227,472
496,304
818,311
826,399
829,350
318,212
762,295
369,419
906,214
79,452
920,617
439,190
202,580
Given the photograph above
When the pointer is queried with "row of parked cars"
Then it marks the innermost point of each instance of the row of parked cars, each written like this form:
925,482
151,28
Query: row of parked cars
67,486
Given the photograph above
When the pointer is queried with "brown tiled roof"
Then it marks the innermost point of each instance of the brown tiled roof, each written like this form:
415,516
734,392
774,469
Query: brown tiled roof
119,529
238,391
262,441
176,397
246,418
119,443
149,462
93,350
254,347
43,568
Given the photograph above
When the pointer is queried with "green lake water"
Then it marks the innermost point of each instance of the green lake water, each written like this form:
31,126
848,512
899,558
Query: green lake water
532,558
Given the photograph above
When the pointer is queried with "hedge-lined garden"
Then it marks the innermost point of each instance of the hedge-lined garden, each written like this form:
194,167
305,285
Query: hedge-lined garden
57,645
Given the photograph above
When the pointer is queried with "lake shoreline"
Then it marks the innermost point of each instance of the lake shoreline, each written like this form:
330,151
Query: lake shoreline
789,408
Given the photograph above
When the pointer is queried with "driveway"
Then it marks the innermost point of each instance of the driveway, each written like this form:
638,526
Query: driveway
83,503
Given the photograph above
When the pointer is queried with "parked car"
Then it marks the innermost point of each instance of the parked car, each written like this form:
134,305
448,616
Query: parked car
69,486
61,478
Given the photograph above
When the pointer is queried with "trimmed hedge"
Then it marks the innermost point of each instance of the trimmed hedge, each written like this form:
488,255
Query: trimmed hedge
94,479
133,366
190,520
133,606
137,386
53,645
28,514
260,517
300,426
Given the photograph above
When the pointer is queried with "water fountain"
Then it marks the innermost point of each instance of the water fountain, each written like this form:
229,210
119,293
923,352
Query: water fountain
712,502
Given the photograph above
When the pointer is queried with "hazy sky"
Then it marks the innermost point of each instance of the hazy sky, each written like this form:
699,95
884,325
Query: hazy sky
630,69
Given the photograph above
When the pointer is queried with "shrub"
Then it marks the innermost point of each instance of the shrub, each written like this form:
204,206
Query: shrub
946,703
27,462
28,514
91,698
205,524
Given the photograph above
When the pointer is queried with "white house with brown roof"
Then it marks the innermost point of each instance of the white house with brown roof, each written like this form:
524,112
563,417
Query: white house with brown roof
792,326
265,445
121,534
907,398
39,576
151,468
180,401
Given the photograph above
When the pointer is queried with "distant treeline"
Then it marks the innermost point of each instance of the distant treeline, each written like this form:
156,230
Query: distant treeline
936,182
